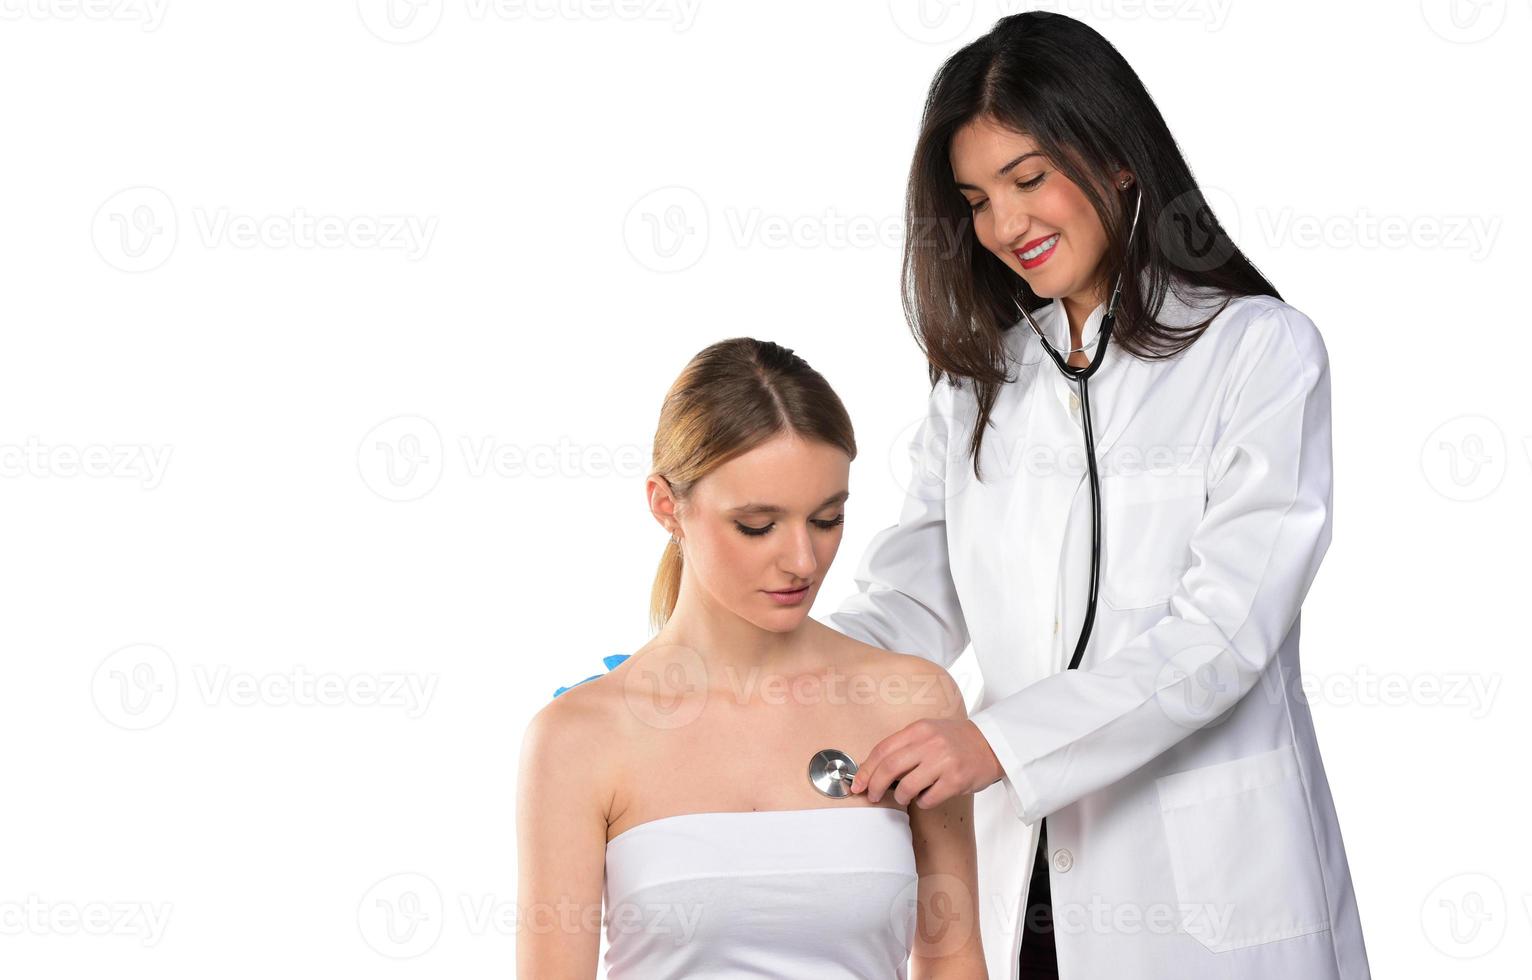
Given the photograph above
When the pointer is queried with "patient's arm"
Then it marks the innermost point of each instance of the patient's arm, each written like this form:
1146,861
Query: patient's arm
561,824
946,943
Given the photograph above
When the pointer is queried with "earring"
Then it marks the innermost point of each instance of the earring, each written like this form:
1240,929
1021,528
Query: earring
1125,182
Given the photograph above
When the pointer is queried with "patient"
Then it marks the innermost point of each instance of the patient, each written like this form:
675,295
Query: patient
675,789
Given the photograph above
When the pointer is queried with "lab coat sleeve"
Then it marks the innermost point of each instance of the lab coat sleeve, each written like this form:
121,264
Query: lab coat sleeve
905,600
1265,527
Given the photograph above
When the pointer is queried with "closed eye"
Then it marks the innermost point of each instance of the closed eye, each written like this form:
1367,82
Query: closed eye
1025,185
756,532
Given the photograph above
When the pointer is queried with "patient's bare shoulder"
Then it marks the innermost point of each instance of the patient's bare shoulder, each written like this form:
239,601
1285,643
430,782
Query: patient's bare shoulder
584,727
910,685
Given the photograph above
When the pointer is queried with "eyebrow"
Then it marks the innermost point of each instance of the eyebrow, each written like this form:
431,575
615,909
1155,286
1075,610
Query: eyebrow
774,509
1004,170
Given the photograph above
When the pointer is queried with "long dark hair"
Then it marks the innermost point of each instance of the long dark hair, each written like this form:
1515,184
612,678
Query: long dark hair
1061,83
731,397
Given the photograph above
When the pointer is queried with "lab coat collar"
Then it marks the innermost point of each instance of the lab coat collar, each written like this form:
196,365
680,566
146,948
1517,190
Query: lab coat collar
1025,347
1129,379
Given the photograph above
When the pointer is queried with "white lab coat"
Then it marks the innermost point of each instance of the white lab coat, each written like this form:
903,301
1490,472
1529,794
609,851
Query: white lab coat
1190,825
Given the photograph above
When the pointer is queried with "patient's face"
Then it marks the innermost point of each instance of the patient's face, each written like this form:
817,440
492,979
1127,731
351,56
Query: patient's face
737,552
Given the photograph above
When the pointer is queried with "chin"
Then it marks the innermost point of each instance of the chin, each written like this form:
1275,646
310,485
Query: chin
1046,283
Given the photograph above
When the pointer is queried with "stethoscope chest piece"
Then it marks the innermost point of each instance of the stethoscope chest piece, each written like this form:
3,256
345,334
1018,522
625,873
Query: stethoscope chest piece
831,772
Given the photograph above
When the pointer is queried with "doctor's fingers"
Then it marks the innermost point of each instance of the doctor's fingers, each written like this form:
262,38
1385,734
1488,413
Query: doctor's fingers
913,735
878,756
919,786
893,768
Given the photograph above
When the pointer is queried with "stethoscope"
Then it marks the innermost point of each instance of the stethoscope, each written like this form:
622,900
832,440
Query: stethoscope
831,770
1082,375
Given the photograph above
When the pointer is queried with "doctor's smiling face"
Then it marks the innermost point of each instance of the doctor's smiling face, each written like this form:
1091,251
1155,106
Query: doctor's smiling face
1025,211
759,532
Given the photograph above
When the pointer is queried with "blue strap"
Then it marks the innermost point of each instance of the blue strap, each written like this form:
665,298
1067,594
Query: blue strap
610,661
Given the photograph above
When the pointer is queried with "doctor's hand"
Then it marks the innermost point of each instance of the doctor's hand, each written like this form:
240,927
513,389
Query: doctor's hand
934,760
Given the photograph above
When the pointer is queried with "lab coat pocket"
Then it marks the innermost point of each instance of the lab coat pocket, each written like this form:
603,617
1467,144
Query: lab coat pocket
1242,851
1150,518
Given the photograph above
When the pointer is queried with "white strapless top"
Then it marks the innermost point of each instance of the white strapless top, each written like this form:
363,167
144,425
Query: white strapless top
821,893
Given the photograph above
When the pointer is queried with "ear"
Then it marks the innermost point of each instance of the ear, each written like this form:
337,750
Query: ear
662,502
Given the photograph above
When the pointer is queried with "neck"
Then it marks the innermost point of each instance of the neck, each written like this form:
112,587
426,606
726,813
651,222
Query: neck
738,655
1078,309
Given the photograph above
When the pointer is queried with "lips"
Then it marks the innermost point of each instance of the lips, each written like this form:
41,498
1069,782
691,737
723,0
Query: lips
1037,251
787,591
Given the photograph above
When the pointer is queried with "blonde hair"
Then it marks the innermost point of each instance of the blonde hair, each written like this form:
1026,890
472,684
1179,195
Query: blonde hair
730,398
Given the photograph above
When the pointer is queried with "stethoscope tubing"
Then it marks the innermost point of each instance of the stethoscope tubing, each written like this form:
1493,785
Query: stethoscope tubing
1081,377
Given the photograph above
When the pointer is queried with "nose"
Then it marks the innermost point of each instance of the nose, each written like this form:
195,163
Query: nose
799,559
1011,223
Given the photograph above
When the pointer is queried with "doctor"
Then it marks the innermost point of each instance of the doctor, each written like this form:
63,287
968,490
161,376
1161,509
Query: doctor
1162,809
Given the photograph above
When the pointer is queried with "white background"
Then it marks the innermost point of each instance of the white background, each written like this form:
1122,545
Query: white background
333,347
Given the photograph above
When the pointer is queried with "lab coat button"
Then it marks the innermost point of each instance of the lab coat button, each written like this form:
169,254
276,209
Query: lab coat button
1074,401
1063,860
1055,626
